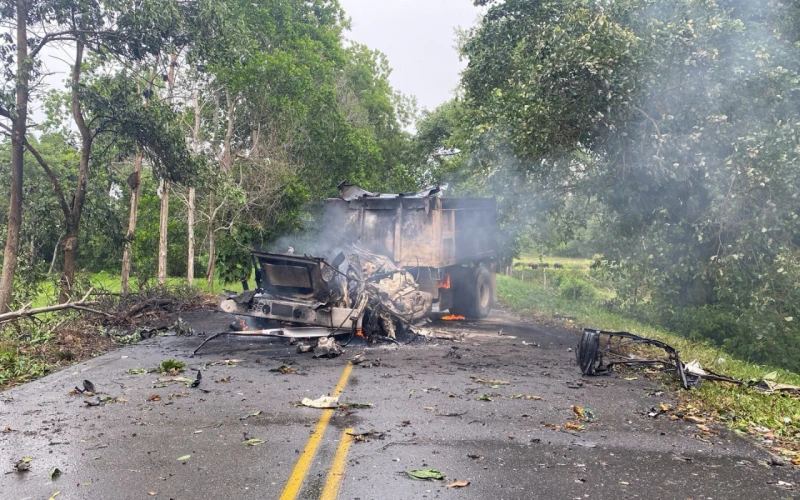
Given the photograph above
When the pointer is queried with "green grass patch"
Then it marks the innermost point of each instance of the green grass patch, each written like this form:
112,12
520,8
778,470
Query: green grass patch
739,407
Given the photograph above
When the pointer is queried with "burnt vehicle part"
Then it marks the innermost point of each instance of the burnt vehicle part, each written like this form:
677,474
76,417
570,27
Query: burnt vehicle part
599,351
285,333
449,245
298,289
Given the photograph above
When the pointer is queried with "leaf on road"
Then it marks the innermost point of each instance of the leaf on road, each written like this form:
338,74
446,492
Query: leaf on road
54,495
154,397
458,484
185,457
152,493
254,442
424,474
573,426
356,406
528,397
489,381
138,371
484,397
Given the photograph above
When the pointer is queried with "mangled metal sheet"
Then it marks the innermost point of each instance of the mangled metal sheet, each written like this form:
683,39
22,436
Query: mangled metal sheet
332,293
599,351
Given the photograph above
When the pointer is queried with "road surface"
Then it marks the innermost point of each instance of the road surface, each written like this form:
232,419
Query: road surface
164,440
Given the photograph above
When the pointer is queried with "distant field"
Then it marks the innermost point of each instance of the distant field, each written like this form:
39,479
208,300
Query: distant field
567,262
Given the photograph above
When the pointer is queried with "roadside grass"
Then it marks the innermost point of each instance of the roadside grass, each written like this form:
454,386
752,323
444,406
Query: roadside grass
110,283
32,348
741,408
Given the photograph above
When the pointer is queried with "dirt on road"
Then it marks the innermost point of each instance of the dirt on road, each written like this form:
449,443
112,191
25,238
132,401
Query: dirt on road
494,413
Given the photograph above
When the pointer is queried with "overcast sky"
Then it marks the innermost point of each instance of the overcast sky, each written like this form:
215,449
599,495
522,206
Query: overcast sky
418,37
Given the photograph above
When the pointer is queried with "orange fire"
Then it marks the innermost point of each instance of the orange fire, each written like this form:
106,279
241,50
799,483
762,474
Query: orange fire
451,317
445,283
360,333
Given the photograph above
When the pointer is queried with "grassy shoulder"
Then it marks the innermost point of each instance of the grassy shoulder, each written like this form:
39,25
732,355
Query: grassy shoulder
33,347
741,408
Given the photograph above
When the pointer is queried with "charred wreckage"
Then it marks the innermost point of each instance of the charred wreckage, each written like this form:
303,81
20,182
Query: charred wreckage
389,259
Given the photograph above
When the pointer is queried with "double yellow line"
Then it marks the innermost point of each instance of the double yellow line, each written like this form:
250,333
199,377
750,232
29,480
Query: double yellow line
301,468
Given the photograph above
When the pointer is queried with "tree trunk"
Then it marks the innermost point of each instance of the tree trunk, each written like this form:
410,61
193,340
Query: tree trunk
211,249
190,215
164,219
135,182
162,234
18,130
190,256
73,221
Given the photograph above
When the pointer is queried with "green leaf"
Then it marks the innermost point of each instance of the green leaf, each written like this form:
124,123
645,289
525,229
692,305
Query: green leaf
254,442
185,457
425,474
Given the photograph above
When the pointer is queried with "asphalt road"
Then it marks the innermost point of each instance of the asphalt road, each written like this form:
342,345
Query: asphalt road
424,402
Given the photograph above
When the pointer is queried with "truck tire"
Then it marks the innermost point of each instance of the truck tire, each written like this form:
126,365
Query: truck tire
472,297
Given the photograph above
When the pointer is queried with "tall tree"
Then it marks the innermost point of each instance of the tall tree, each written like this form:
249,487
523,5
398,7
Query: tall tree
16,112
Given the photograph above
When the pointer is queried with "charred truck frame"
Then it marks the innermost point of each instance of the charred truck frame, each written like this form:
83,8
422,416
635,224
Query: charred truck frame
389,258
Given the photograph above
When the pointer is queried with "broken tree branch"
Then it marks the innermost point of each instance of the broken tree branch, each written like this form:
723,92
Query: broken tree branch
26,313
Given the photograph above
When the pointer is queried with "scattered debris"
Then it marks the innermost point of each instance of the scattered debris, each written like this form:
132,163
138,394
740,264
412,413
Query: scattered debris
527,397
484,397
196,381
154,397
184,458
23,464
425,474
254,414
284,369
138,371
322,402
584,414
55,473
599,351
585,444
573,426
253,442
93,402
304,348
458,484
362,436
327,347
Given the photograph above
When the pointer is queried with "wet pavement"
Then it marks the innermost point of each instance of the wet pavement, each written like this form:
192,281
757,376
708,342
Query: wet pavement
433,414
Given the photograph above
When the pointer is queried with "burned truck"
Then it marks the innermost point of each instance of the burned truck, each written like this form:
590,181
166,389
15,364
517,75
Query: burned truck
387,259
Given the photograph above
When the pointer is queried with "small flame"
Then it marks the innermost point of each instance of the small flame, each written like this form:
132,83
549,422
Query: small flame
445,283
452,317
360,333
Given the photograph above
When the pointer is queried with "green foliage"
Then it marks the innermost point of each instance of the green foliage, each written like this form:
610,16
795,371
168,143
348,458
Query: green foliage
675,122
171,366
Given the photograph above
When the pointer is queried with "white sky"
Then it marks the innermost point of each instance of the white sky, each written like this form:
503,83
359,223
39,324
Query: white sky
418,37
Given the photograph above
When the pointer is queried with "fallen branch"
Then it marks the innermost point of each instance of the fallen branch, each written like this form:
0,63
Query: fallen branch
78,305
148,303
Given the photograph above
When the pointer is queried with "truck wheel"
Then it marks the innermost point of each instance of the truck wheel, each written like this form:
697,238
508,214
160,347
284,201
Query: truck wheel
482,303
472,295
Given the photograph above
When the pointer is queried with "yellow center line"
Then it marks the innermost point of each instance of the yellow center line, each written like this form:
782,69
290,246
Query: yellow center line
295,482
336,474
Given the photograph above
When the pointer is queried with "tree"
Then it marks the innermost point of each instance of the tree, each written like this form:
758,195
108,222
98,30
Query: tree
674,119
